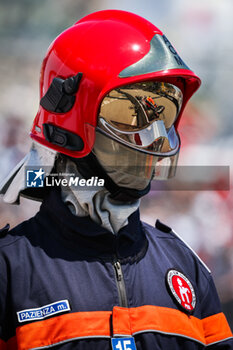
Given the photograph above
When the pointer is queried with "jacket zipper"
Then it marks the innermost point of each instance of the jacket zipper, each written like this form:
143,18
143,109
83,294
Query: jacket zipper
120,284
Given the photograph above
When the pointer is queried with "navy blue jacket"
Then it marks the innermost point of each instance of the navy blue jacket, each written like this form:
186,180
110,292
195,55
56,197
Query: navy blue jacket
69,283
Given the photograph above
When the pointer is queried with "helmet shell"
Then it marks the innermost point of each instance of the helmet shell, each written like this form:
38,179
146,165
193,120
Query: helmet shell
101,46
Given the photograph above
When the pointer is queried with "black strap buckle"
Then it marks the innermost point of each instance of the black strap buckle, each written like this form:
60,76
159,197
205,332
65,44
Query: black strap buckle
60,96
62,137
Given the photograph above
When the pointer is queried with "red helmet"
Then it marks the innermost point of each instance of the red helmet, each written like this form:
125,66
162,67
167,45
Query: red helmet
101,52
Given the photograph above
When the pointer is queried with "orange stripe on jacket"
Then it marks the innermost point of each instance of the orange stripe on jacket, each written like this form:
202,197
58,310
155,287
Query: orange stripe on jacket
216,328
125,321
62,328
170,321
159,319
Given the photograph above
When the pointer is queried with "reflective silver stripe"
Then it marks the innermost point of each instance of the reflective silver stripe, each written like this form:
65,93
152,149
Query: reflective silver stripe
167,333
219,341
126,335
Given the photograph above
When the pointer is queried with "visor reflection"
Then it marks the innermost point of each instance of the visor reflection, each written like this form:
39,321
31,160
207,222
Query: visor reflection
136,106
142,115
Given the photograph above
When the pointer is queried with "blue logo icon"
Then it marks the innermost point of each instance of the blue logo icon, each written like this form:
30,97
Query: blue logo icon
123,343
35,178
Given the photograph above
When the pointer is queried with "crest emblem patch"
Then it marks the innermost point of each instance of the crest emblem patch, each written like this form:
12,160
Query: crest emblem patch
181,289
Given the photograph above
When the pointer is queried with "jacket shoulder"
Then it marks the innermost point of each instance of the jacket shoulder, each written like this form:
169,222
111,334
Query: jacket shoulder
163,231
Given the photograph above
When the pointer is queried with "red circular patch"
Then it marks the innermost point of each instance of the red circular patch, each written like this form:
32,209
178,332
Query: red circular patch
181,289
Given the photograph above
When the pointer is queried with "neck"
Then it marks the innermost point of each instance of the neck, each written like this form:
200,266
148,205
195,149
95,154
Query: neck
98,204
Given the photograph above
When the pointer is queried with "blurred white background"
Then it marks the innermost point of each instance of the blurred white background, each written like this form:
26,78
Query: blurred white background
201,31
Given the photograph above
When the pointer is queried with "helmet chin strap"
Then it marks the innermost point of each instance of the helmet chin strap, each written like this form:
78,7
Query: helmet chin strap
90,166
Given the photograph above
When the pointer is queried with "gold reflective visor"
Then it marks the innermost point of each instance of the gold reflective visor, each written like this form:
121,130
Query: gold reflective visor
136,106
142,115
